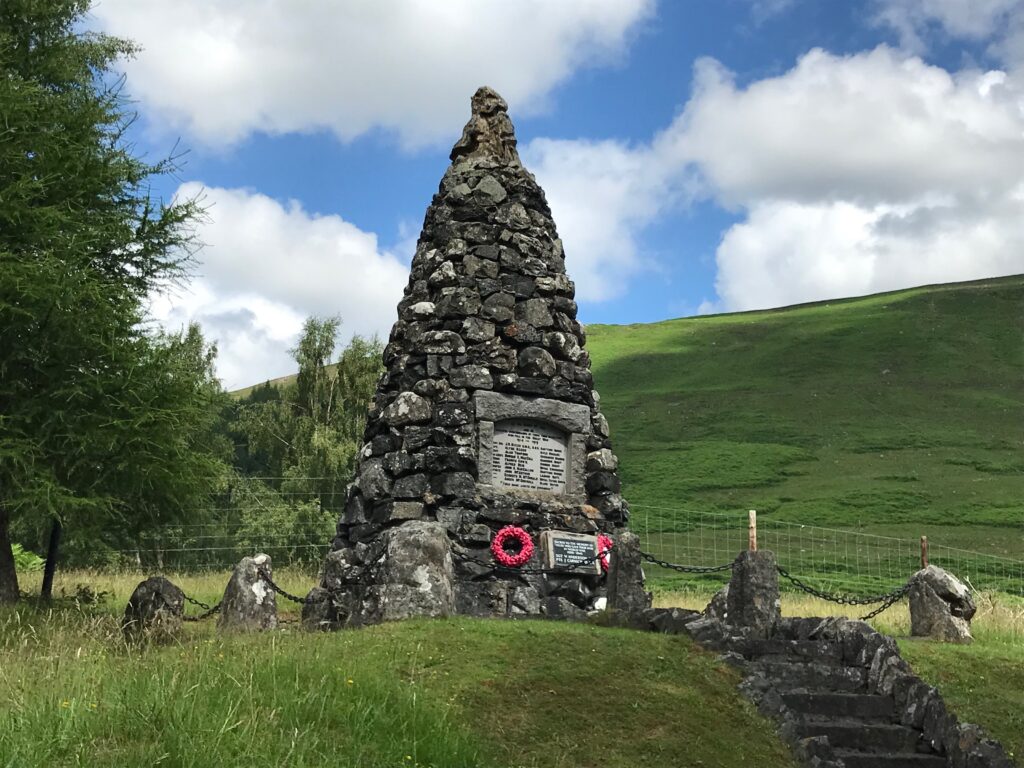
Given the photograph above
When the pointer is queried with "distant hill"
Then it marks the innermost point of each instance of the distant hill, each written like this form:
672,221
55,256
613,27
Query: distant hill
900,413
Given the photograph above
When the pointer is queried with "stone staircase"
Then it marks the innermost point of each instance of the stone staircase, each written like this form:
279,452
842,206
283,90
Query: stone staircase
840,694
825,706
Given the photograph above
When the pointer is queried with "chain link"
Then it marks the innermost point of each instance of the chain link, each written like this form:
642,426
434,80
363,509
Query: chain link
208,610
688,568
270,583
887,600
890,601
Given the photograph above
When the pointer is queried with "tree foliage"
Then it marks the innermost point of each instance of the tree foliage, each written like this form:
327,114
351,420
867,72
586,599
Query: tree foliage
305,435
99,415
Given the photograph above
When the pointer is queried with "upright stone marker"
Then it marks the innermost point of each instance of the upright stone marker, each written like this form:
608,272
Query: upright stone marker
486,415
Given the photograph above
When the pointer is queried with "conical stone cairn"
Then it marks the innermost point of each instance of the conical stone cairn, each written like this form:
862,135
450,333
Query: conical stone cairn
486,416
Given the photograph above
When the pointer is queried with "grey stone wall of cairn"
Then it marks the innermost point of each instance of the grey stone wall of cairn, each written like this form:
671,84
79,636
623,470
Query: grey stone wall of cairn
486,415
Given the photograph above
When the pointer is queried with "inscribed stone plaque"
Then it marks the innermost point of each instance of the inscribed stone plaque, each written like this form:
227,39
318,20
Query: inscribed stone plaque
530,455
563,549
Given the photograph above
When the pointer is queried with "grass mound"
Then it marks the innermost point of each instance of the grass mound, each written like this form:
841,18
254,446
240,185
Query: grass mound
421,693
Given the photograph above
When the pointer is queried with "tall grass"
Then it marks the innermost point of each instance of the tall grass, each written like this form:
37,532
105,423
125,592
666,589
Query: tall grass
420,693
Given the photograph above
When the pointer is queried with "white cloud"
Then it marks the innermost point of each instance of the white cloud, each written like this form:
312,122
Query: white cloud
787,252
964,19
852,174
998,23
857,174
877,126
266,267
602,194
226,68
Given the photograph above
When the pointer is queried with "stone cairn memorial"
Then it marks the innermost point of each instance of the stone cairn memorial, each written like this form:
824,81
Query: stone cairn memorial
485,418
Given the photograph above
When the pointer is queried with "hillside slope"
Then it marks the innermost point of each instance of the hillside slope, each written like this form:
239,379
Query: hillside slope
900,413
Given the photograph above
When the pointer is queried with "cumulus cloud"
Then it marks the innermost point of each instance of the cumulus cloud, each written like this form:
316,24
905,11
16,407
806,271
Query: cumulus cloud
602,194
222,70
788,252
974,20
266,267
857,174
999,23
850,174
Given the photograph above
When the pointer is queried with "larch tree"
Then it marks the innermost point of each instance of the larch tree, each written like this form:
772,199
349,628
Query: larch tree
101,418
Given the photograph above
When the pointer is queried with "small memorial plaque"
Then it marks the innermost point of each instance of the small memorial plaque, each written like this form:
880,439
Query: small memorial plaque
529,454
563,549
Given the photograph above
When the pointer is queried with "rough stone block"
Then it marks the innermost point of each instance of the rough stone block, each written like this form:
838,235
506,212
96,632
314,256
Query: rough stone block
753,599
391,510
408,408
626,594
941,606
154,610
249,604
536,362
415,577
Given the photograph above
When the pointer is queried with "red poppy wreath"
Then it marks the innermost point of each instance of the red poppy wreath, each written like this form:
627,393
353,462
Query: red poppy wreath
513,535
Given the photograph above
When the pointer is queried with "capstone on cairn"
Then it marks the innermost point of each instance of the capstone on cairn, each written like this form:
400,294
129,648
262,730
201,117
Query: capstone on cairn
486,415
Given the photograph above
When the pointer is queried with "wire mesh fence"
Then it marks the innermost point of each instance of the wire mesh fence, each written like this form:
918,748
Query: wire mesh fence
831,558
291,519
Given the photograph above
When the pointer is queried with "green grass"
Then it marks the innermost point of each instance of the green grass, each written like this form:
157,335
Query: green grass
450,693
983,684
421,693
899,414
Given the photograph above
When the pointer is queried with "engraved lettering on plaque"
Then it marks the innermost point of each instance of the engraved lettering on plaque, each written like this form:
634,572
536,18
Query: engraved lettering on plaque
530,455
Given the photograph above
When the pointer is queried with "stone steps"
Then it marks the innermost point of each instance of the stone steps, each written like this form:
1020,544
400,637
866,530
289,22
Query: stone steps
813,676
852,759
839,692
827,699
792,650
860,706
862,737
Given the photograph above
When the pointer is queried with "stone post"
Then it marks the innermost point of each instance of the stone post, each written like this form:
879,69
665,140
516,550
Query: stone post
753,597
249,604
154,610
941,606
626,595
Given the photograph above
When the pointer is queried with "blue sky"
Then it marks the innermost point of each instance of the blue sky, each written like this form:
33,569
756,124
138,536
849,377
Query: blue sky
699,155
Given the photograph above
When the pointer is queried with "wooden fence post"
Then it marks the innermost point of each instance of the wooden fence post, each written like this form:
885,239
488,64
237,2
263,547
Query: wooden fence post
752,530
924,551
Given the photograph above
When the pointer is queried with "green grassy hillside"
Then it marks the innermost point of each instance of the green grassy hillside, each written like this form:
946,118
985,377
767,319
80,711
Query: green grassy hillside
900,413
897,414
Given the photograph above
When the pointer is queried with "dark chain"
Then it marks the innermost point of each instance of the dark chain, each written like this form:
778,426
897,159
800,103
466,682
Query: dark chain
270,583
208,610
887,600
688,568
890,601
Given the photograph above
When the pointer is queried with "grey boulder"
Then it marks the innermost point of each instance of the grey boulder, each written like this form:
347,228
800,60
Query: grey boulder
415,576
753,596
941,606
154,610
249,604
